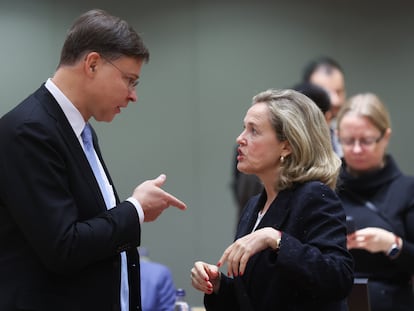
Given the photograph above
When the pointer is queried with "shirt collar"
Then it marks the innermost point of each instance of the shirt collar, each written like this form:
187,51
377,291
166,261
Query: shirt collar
73,115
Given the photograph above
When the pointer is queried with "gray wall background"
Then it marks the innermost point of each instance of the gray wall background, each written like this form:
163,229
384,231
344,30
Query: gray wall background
208,58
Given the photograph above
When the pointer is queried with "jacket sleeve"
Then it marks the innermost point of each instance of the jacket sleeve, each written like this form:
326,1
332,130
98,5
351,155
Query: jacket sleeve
315,259
404,188
225,300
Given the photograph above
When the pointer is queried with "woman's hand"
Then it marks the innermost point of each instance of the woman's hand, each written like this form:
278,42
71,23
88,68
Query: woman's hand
205,277
371,239
238,254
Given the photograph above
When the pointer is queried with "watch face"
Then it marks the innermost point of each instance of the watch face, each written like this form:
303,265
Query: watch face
394,251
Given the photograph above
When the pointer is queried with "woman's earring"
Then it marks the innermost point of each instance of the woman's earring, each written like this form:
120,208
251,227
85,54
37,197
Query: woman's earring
282,159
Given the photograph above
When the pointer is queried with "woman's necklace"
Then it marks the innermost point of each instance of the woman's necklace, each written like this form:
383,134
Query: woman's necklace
262,212
260,215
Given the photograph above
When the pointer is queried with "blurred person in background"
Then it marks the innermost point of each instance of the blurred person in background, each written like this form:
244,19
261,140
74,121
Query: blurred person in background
157,284
380,199
328,74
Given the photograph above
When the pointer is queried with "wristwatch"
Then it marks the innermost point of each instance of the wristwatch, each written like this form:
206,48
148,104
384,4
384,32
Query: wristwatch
278,241
395,248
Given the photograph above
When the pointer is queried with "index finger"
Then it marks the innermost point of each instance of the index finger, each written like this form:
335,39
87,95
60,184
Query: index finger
173,201
224,257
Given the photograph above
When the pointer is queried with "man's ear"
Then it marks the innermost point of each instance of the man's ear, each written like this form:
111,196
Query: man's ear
91,62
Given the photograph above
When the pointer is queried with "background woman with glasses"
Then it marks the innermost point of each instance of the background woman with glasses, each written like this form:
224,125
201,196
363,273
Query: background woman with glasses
380,199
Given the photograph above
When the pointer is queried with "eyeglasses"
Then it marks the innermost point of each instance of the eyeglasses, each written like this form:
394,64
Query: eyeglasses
132,83
364,142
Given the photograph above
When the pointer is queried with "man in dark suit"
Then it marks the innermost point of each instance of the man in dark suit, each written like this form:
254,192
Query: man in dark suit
66,240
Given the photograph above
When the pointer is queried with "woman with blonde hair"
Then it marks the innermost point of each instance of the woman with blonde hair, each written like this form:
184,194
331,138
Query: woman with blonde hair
290,248
380,199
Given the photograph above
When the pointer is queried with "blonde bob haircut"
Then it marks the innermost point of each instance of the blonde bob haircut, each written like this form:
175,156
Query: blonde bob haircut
297,119
367,105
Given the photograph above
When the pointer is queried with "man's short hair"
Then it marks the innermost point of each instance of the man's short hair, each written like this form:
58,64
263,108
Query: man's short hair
321,62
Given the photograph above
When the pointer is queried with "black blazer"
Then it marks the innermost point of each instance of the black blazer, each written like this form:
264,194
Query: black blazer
59,245
312,270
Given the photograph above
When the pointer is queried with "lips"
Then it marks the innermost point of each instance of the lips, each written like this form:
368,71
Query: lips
119,107
240,154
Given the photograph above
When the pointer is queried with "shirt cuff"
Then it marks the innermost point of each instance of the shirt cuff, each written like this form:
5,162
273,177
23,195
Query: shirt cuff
138,207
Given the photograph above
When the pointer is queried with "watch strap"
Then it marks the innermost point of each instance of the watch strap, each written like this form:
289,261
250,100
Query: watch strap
395,248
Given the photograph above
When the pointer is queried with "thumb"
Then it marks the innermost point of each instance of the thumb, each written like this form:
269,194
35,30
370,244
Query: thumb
160,180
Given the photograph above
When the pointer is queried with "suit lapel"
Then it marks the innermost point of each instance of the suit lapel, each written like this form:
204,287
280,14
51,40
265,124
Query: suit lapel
278,211
69,138
274,217
249,215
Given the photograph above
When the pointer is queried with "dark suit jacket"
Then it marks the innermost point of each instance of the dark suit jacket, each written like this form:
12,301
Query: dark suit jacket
59,245
312,269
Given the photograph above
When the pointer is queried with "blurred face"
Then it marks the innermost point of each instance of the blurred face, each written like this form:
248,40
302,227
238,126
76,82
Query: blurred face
114,86
333,82
362,143
259,149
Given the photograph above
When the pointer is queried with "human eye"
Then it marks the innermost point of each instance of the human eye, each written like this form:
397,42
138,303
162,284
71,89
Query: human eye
367,141
347,141
253,130
133,82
